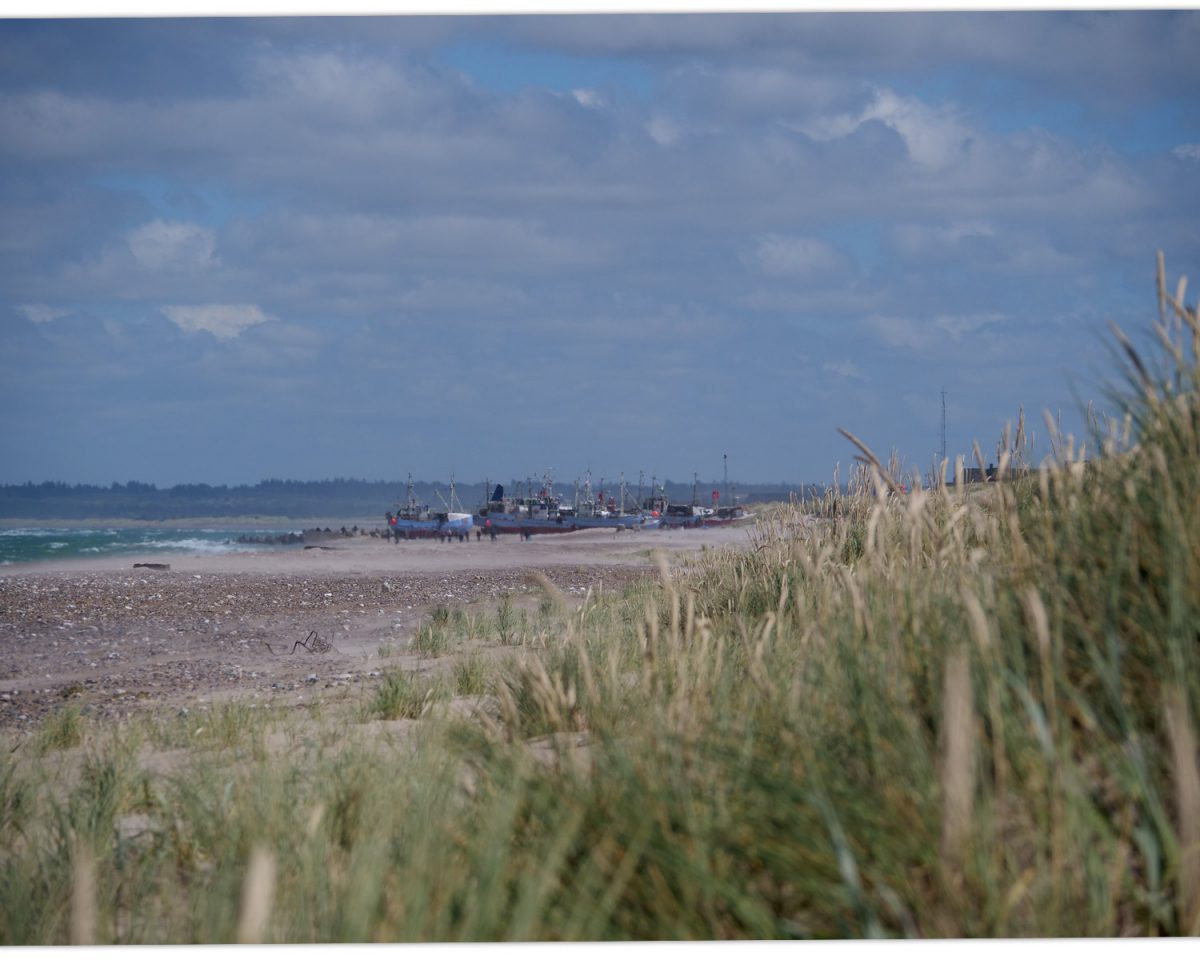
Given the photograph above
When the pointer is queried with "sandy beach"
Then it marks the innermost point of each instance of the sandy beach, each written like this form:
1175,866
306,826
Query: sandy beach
123,638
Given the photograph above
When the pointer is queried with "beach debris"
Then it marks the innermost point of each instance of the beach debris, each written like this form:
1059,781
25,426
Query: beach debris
313,643
153,566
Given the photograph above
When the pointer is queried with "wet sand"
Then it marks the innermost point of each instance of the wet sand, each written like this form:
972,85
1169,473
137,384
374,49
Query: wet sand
213,628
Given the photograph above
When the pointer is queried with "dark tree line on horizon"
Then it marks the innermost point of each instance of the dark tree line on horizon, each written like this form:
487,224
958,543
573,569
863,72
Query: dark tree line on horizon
304,499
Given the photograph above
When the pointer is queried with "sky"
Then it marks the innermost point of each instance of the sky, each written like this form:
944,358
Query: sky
297,247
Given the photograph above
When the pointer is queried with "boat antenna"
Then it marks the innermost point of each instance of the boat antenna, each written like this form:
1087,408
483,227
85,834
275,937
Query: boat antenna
409,493
727,497
639,503
695,488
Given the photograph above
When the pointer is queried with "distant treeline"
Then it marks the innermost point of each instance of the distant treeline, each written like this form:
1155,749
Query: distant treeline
304,499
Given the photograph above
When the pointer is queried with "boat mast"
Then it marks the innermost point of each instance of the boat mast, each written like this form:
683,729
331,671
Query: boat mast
621,509
727,498
695,489
639,503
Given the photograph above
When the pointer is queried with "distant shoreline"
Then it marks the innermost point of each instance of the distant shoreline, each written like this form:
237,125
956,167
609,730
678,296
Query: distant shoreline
190,523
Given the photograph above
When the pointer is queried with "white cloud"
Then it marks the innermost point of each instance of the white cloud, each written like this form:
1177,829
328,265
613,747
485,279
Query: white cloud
222,320
923,334
844,369
797,256
957,326
458,294
933,137
1040,257
776,90
173,245
662,131
40,313
362,241
588,98
837,299
1187,151
899,331
918,238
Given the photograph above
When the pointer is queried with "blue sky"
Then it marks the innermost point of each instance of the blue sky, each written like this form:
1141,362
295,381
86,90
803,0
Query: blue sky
233,249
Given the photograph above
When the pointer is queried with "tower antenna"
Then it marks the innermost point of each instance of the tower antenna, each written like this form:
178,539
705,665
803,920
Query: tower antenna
943,423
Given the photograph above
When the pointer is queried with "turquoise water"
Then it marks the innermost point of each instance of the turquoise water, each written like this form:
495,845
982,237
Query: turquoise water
36,544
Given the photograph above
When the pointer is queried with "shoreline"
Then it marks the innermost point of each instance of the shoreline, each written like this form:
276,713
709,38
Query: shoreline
255,522
371,556
212,627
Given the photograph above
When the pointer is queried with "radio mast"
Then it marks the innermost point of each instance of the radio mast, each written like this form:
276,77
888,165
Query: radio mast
943,423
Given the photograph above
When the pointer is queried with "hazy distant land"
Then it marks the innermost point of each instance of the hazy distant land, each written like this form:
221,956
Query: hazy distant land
286,501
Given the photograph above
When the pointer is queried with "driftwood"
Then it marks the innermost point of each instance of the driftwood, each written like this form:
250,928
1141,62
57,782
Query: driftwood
312,643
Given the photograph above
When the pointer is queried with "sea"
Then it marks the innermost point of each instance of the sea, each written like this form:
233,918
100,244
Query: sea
35,544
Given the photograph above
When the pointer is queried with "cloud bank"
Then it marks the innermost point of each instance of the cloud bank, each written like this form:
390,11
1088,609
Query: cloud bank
299,247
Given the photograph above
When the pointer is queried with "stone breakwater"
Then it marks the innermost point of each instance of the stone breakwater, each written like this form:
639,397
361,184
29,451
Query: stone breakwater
273,539
121,642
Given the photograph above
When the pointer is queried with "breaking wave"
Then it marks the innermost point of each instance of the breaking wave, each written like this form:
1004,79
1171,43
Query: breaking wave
34,544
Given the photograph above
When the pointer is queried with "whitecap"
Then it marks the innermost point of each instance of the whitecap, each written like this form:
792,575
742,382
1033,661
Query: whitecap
40,532
191,543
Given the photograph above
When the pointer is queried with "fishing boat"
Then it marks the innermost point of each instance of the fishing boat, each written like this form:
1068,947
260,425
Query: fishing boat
544,512
589,511
413,519
693,515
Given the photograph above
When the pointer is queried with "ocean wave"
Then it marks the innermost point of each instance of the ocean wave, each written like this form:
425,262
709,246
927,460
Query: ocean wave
197,545
33,545
46,532
188,543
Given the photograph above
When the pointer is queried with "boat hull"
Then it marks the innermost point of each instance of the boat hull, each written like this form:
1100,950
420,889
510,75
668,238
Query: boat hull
692,523
507,523
456,526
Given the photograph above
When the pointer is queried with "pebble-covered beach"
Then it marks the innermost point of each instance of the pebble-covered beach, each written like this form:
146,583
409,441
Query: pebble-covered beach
122,639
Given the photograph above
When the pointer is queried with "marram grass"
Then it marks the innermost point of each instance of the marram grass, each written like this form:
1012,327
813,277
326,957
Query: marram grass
950,712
